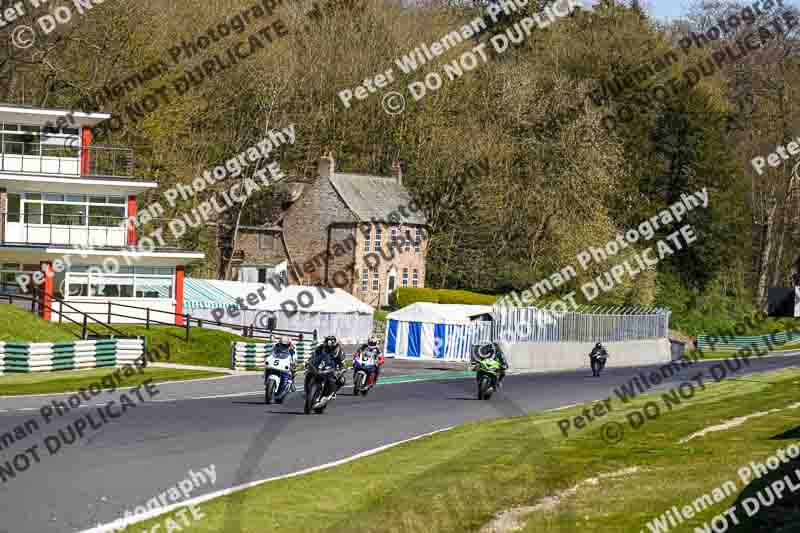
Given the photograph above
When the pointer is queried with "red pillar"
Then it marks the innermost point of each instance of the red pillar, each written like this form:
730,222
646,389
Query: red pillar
131,215
179,295
86,143
47,293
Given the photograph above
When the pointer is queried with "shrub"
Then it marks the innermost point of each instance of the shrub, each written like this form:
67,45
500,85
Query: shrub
407,296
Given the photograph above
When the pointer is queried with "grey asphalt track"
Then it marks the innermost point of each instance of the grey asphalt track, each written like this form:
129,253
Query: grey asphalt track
152,446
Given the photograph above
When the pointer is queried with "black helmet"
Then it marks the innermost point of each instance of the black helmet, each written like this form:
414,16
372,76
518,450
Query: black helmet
330,341
598,345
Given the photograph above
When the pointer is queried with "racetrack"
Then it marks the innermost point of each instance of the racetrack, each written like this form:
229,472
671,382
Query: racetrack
224,422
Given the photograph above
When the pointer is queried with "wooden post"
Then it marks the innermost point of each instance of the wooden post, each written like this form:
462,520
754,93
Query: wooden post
83,328
109,312
147,324
188,325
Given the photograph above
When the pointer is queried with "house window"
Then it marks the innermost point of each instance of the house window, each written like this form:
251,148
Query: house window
415,279
262,275
405,277
375,281
393,241
407,244
364,280
418,241
266,241
68,209
367,238
378,238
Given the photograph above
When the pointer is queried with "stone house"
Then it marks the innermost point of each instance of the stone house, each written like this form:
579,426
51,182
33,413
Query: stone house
357,232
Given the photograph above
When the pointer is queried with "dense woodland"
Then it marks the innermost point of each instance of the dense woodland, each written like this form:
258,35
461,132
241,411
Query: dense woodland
552,181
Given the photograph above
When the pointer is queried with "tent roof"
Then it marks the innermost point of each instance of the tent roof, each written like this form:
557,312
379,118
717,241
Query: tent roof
439,313
221,293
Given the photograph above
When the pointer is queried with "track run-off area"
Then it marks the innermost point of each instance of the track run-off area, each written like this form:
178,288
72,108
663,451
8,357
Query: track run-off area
215,422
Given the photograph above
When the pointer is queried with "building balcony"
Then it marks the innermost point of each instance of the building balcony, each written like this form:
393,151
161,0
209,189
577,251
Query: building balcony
68,159
81,231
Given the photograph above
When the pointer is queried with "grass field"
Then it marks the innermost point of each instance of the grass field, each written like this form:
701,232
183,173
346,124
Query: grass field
206,347
73,380
458,480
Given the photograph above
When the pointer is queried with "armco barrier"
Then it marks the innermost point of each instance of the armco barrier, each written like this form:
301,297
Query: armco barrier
722,343
20,357
557,356
251,355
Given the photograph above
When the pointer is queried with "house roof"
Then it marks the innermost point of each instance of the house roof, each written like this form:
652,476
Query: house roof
376,198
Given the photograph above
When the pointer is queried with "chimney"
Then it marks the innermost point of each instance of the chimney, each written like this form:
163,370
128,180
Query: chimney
397,171
326,165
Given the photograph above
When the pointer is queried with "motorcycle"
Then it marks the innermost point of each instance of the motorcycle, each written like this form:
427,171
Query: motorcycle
598,362
277,371
364,371
316,378
488,370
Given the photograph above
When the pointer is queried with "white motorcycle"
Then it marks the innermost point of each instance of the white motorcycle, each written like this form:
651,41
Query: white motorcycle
364,371
277,370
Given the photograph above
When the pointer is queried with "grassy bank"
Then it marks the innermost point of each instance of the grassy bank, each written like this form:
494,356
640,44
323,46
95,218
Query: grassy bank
73,380
457,481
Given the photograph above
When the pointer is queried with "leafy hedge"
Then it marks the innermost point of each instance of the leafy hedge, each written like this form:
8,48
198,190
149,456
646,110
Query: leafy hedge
406,296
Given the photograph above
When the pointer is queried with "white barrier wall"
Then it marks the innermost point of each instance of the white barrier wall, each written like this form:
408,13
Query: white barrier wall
555,356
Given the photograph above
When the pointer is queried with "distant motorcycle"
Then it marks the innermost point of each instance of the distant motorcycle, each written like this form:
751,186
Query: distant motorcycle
317,397
365,366
488,370
598,360
278,381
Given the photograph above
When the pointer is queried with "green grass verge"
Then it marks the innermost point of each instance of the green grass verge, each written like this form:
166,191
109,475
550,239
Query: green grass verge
73,380
457,481
206,347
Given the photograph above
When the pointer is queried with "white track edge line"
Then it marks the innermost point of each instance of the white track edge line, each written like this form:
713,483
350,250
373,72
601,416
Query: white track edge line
111,526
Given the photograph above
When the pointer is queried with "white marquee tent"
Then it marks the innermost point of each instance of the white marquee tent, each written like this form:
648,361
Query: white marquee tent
437,331
294,307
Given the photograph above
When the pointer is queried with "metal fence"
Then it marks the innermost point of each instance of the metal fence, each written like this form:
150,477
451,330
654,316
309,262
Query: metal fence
531,324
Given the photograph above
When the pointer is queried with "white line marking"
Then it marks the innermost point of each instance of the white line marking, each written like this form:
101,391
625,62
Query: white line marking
111,526
560,408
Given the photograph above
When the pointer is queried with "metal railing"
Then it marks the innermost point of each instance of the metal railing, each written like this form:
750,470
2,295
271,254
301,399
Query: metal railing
531,324
28,157
81,230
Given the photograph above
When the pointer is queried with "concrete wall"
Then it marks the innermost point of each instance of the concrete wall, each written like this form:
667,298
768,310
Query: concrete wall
554,356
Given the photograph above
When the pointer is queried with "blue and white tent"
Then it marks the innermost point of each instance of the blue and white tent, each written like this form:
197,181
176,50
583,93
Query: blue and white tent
437,331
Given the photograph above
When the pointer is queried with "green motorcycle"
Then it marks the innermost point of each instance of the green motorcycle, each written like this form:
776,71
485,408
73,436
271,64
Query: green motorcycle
488,369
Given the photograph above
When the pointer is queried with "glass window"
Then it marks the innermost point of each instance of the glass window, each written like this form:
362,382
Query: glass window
117,200
52,197
33,212
393,238
415,279
100,215
375,280
378,238
78,198
70,131
418,241
145,270
405,277
265,241
65,214
367,238
97,199
33,196
78,284
13,207
31,129
364,280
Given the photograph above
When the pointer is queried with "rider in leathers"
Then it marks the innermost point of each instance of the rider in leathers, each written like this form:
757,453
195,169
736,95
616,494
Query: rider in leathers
598,350
331,352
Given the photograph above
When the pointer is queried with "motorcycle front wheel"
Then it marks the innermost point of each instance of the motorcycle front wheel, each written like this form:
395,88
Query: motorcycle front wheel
358,383
483,388
269,393
312,394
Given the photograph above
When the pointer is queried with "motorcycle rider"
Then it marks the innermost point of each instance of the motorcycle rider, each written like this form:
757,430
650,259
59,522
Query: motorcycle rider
373,347
285,345
331,352
596,352
493,350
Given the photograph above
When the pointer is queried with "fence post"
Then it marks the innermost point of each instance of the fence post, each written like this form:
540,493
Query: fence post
109,312
188,325
147,322
83,328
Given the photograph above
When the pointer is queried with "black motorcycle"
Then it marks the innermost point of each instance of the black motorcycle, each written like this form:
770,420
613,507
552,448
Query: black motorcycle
598,361
318,376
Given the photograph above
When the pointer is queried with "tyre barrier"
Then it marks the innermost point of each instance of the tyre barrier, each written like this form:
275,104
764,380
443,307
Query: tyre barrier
21,357
251,355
